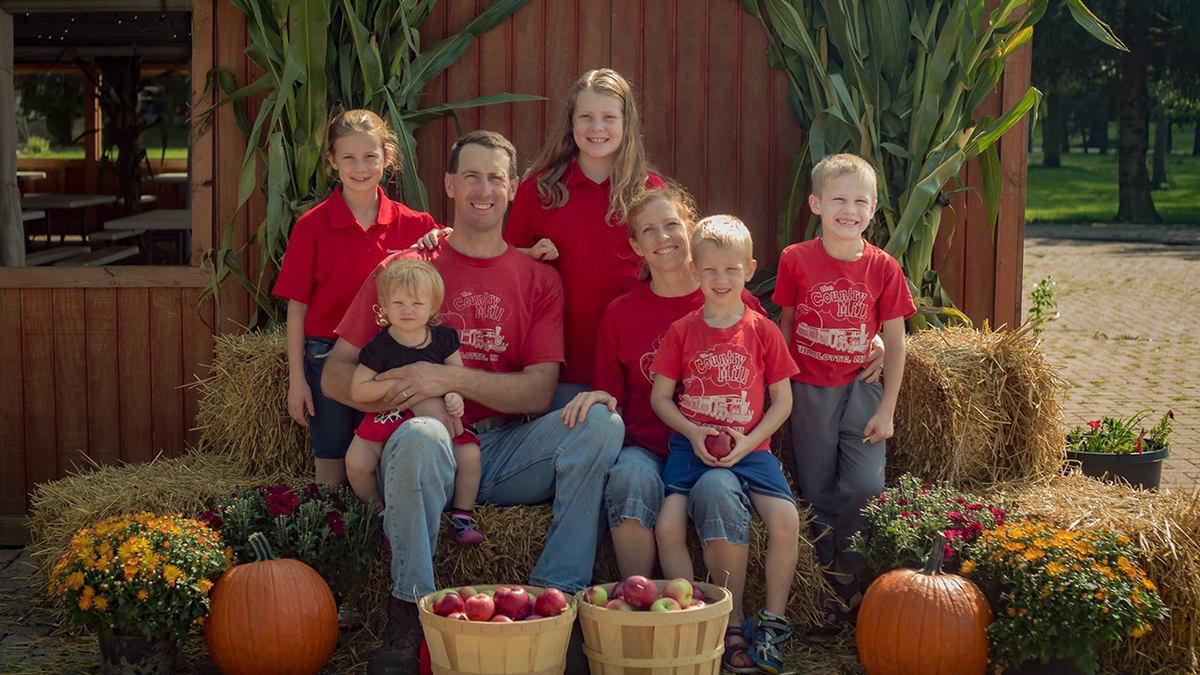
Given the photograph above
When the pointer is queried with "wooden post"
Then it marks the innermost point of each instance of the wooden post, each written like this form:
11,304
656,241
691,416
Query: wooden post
12,230
92,121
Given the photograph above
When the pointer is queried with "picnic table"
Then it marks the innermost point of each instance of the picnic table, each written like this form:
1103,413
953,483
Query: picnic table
31,175
52,202
170,177
159,220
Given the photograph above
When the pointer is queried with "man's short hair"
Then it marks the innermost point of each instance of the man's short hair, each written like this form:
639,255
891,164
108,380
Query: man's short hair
839,165
488,139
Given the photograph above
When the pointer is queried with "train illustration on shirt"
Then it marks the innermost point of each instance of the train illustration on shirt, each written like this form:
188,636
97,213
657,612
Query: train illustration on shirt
729,408
847,340
483,339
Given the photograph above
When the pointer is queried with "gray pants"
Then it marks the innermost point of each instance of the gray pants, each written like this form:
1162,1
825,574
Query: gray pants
835,472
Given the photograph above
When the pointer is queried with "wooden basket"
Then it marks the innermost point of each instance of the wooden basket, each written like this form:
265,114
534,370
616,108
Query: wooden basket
687,642
536,647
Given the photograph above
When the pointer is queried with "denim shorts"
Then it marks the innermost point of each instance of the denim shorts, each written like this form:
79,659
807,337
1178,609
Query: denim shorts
332,427
759,471
635,488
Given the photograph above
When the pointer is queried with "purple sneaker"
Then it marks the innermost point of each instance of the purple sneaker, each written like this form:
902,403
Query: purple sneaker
462,529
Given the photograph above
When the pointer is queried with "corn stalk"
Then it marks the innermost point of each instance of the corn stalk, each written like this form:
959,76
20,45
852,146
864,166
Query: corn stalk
897,82
319,57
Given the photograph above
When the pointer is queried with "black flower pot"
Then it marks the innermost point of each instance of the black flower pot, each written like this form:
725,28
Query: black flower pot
1142,470
136,654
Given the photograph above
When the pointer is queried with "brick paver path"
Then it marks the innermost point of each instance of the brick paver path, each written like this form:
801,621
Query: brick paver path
1128,337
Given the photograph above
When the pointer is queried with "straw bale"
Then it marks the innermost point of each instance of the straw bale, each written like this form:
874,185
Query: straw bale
977,408
190,484
515,537
1166,526
242,411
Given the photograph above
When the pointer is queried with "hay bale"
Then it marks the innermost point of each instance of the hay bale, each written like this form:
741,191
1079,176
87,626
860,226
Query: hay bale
977,408
1166,526
190,485
516,534
243,406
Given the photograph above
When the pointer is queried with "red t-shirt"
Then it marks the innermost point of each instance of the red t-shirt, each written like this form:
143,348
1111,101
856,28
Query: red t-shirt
594,257
631,331
507,311
840,305
329,254
725,372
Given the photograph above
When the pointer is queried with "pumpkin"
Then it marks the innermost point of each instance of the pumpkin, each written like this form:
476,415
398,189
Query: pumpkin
271,617
923,621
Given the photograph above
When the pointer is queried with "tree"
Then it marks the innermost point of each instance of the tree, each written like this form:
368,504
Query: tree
56,98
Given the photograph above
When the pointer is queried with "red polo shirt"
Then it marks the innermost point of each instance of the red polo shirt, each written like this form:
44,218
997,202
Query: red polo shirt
329,254
595,260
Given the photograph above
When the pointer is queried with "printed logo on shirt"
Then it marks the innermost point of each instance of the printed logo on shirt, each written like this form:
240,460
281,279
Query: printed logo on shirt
479,317
841,300
730,408
833,328
647,359
725,370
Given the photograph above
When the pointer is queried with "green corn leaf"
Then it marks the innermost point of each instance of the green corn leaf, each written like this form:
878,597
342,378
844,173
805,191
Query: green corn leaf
1094,26
993,176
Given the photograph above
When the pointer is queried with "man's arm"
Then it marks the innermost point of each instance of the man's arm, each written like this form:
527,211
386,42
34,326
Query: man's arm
528,391
338,374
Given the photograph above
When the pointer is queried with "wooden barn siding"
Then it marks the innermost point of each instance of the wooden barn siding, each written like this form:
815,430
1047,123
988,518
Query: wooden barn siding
92,360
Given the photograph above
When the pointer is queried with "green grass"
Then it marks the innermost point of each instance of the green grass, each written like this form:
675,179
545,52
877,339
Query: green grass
77,153
1084,189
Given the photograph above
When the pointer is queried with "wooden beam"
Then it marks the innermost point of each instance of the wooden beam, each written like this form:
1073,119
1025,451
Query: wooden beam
70,68
200,149
122,276
93,121
12,231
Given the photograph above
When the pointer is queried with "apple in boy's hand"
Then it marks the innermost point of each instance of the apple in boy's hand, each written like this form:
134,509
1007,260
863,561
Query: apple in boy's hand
551,602
720,445
447,602
479,607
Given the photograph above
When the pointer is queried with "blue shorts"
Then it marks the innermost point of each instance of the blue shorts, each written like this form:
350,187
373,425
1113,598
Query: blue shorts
759,472
332,428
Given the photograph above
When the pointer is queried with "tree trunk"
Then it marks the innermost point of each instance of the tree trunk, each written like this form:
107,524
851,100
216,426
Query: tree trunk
1196,138
1052,130
1162,127
1136,204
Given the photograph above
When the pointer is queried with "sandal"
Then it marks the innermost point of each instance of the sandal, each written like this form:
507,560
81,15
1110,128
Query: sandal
841,607
768,633
736,658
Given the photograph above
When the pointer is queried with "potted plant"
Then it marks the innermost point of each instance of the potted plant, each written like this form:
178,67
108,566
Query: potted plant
1058,595
1122,448
902,524
324,526
141,581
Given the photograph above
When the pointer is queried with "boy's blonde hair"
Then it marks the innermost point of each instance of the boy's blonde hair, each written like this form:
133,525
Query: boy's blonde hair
413,276
839,165
725,232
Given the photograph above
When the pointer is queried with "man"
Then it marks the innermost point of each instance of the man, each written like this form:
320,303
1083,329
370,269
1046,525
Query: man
508,310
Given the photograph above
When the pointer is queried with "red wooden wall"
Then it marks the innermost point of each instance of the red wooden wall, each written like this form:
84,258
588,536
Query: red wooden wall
91,361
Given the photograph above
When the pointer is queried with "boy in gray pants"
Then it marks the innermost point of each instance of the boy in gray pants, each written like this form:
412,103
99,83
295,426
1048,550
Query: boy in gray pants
837,291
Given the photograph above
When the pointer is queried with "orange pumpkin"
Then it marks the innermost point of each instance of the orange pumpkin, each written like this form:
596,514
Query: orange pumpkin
923,621
271,617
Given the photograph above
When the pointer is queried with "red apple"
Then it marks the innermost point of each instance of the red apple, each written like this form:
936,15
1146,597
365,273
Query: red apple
551,602
665,605
500,618
618,591
640,592
697,604
697,592
596,595
512,602
533,617
679,590
479,607
458,616
619,605
719,445
446,603
465,592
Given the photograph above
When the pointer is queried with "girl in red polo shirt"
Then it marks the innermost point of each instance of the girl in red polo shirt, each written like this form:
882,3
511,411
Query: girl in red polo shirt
571,206
331,251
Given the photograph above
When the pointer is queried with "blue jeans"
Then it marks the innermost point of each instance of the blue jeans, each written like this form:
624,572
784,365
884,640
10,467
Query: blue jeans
530,463
333,424
717,504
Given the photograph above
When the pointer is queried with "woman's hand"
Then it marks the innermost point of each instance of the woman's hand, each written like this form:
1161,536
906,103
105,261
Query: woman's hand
300,401
429,240
576,411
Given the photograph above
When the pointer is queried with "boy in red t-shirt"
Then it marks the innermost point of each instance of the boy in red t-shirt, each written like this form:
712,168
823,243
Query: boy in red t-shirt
726,357
836,292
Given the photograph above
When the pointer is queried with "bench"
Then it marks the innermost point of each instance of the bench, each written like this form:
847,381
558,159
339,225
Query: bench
114,235
99,257
53,255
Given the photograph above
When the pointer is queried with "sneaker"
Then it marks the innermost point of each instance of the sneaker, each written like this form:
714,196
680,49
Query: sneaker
462,529
768,632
